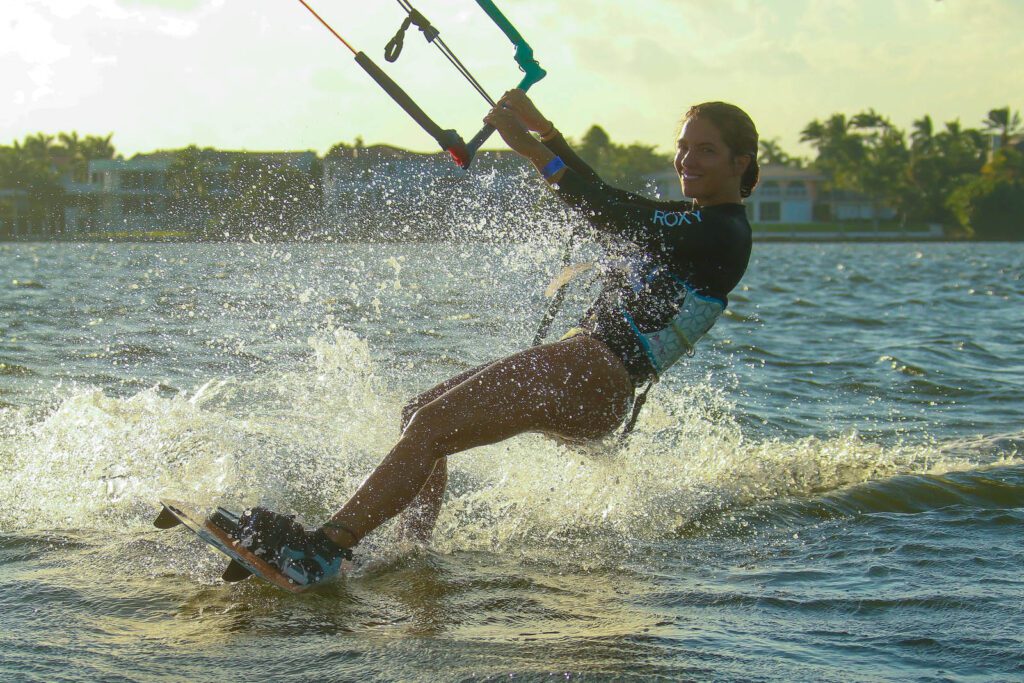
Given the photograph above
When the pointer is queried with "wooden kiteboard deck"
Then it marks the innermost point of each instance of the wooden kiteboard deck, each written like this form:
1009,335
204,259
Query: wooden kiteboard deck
215,530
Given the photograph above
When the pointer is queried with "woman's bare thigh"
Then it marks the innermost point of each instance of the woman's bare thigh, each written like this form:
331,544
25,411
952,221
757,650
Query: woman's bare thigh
430,394
575,388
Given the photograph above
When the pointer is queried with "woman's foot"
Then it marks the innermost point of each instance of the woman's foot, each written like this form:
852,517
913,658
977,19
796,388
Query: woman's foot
304,556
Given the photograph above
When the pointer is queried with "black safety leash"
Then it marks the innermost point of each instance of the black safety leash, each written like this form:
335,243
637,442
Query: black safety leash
638,403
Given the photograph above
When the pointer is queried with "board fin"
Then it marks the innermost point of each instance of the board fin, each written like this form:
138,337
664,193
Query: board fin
236,571
166,519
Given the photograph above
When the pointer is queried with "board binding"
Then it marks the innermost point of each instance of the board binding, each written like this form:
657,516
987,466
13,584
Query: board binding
216,530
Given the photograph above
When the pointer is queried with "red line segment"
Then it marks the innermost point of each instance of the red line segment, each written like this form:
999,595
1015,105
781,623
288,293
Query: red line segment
328,27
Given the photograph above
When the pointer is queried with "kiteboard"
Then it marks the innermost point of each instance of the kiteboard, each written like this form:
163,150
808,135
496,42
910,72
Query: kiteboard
216,529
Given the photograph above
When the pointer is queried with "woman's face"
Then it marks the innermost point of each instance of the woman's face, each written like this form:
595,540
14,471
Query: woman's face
708,172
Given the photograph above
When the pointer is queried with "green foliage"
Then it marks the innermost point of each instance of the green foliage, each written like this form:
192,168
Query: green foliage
1003,122
37,165
189,184
866,154
78,152
929,176
991,206
620,165
939,164
42,159
770,152
344,149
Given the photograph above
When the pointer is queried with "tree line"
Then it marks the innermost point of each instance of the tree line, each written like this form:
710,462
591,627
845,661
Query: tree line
36,165
252,197
929,174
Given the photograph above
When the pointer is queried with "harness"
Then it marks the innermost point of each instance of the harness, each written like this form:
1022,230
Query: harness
697,313
677,338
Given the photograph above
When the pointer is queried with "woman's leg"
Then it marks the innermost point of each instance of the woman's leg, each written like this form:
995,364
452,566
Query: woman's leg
576,389
419,517
430,394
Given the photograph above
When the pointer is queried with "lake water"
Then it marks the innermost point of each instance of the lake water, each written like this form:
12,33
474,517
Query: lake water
832,489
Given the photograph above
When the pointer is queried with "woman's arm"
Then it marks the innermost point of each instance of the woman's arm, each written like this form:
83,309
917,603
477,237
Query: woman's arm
534,121
531,119
612,211
513,131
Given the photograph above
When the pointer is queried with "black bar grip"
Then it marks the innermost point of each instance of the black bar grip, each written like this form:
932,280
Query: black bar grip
449,140
403,99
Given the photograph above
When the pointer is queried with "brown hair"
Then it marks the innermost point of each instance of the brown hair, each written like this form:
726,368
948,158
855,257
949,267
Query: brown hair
737,131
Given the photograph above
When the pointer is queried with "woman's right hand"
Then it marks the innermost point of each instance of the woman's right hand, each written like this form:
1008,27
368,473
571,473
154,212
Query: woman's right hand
511,129
526,111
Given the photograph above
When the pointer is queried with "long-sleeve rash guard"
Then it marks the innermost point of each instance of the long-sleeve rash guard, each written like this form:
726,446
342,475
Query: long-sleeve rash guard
680,263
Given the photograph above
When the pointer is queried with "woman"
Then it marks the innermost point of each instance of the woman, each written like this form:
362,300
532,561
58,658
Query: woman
681,261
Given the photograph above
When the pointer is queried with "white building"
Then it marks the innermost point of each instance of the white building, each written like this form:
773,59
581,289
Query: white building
132,194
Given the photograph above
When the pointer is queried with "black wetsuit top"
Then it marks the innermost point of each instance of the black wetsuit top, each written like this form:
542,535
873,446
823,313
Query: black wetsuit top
665,245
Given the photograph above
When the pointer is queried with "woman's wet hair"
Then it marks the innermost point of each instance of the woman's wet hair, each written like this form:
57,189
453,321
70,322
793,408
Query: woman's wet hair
737,131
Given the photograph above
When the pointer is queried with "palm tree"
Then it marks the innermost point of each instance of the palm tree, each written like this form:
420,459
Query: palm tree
98,147
71,146
884,169
865,154
32,169
771,152
594,146
922,137
1004,123
38,147
840,152
940,165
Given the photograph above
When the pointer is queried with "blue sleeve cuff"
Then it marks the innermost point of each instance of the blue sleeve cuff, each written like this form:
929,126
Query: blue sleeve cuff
552,167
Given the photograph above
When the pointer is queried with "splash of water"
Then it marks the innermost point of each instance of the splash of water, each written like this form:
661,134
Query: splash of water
303,440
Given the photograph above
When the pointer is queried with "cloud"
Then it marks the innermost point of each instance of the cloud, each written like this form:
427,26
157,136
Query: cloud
179,5
164,73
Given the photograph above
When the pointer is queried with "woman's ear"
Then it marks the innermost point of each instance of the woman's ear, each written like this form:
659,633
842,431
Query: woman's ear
740,164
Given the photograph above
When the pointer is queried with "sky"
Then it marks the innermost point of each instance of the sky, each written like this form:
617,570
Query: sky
265,75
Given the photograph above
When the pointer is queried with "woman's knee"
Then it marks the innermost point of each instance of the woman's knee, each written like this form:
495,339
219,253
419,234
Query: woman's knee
437,429
407,414
420,427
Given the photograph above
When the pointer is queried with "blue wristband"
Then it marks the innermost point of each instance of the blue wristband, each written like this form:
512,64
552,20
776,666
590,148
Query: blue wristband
553,167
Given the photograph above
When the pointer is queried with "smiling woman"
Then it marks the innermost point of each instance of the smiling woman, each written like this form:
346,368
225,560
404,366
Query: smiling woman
682,258
677,263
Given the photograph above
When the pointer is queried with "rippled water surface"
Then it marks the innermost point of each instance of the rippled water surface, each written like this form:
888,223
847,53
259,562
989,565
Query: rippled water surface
832,489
